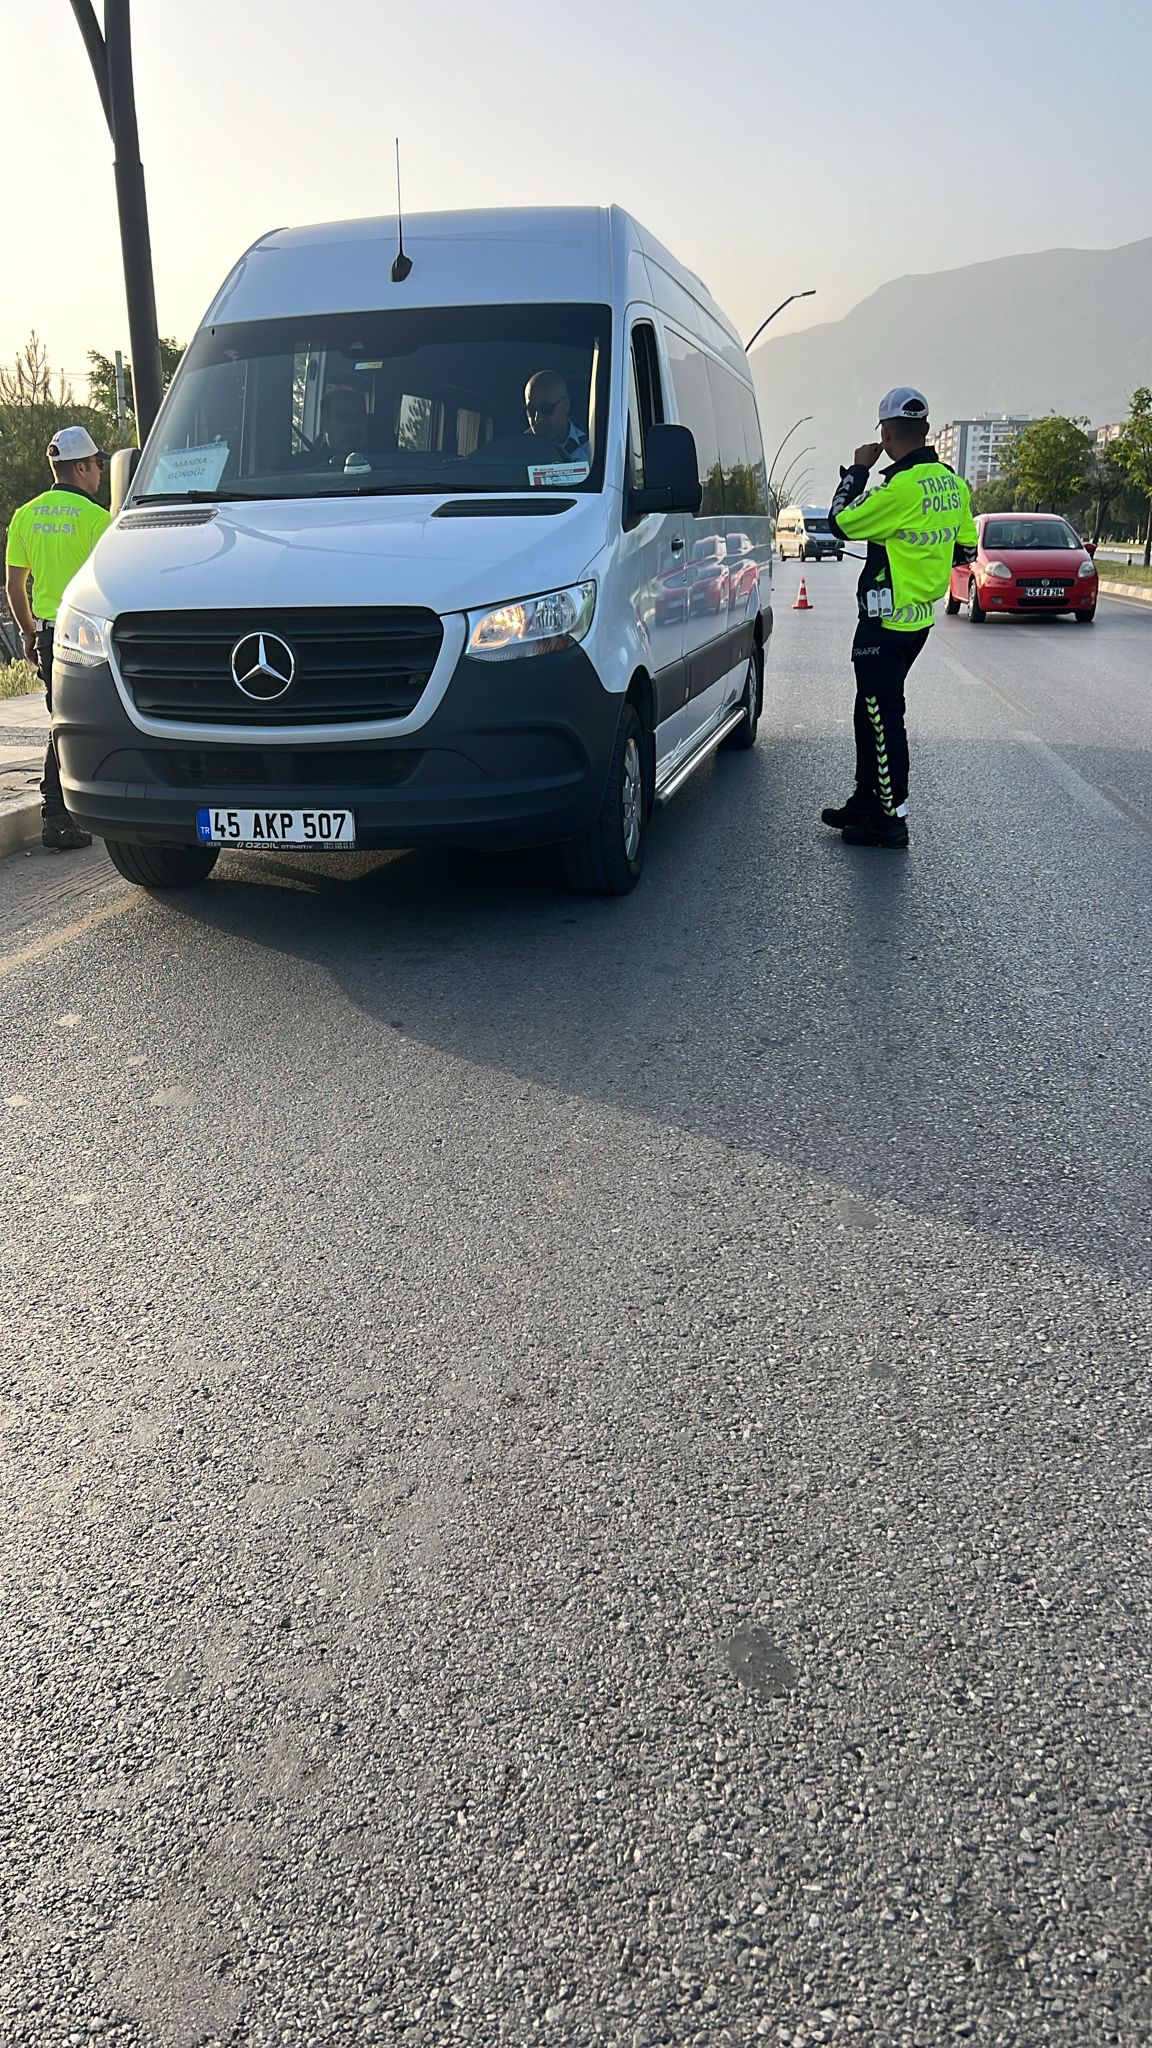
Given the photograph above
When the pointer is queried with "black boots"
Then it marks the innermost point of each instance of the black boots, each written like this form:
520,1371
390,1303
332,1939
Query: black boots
60,835
864,822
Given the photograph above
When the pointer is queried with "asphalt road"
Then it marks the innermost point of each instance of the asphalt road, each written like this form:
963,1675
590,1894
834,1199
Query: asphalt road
575,1471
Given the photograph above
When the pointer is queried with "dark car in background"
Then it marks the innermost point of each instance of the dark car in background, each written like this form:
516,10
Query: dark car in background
1026,562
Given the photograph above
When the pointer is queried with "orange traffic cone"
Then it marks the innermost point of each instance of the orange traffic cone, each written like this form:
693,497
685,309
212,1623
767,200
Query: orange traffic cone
802,604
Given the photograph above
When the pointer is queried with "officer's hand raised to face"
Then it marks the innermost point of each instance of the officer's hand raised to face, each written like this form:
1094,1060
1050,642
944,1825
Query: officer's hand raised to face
866,455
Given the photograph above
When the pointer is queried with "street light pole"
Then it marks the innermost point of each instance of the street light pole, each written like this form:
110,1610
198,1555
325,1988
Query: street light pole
110,55
794,465
786,479
780,308
801,422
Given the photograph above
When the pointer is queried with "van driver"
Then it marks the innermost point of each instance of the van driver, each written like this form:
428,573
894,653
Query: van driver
547,405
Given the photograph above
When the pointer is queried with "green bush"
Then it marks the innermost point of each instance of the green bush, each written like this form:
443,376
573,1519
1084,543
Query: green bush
1119,572
17,678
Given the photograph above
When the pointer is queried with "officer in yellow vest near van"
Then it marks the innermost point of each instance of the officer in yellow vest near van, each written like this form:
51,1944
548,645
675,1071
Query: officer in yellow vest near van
914,522
50,538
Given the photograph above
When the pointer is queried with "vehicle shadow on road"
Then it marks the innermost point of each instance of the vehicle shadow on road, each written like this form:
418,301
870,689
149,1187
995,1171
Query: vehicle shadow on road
853,1013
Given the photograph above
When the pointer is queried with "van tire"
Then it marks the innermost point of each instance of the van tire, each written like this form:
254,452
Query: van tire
161,867
743,736
608,859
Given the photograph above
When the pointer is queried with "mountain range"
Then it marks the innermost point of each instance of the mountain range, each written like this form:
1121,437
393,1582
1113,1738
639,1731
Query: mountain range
1064,330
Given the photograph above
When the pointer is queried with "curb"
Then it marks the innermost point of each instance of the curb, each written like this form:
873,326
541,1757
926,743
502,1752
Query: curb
1142,592
19,828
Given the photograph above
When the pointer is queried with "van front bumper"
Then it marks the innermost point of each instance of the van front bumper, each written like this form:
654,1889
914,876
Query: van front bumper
515,754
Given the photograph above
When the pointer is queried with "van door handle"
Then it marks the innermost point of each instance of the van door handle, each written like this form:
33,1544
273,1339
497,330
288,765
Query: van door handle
678,545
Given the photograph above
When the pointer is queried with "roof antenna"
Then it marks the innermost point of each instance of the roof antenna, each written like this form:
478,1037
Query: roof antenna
401,264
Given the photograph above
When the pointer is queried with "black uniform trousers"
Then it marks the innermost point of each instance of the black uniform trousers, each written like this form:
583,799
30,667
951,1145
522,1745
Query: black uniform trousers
882,661
53,805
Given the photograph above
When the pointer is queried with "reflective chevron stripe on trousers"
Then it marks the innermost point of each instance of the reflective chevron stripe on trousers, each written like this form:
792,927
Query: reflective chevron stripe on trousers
882,661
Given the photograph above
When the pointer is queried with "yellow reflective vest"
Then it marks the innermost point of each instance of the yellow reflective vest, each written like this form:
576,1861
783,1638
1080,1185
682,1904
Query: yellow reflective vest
914,521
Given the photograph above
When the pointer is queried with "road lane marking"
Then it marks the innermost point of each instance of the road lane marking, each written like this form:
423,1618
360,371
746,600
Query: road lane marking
1137,816
53,941
1083,792
1100,799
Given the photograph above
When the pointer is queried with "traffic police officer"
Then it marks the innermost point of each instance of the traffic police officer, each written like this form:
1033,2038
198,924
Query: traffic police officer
50,538
916,523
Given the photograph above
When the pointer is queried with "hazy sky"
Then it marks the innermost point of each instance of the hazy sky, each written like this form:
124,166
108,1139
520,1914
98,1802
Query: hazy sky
771,146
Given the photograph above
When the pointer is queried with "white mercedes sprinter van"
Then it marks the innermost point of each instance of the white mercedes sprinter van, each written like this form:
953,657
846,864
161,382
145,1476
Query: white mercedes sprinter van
466,548
803,531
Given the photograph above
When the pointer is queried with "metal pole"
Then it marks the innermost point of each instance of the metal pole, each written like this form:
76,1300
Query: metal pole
97,55
110,55
791,470
780,308
802,422
132,203
121,399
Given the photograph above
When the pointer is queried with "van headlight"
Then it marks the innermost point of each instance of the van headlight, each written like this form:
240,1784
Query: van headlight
79,638
532,625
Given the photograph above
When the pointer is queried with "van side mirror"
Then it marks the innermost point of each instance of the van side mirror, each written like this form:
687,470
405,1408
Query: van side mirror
121,470
671,472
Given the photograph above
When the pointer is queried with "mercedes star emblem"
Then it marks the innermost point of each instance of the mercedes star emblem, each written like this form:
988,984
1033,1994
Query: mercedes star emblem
263,666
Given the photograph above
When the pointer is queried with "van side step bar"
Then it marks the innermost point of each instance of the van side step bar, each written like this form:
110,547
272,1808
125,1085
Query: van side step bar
701,755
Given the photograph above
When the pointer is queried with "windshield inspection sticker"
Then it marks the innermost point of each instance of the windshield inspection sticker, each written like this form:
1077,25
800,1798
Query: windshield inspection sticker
190,469
554,476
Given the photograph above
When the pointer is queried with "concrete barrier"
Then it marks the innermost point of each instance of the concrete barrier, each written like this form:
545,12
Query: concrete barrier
1142,592
19,826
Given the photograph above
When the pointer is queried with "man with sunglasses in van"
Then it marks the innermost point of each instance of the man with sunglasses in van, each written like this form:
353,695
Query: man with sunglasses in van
547,404
49,539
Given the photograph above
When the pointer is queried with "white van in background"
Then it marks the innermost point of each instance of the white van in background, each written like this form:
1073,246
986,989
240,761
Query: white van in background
471,548
803,531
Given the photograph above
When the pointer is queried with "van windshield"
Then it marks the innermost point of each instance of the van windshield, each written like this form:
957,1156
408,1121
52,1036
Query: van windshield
459,398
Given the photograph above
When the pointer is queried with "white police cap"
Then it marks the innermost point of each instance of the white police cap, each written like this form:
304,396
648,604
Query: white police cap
903,404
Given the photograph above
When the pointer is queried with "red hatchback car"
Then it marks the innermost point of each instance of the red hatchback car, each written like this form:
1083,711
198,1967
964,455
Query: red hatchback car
1026,562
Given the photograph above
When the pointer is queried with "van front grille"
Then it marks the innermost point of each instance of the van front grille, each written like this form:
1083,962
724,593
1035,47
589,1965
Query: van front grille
300,666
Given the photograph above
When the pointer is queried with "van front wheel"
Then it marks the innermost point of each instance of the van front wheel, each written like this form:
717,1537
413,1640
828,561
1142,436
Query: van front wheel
608,860
161,867
743,735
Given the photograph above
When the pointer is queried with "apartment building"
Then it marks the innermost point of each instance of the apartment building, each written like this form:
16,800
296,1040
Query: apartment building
973,447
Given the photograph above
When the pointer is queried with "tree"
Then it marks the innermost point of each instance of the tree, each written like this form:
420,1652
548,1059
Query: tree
998,494
1047,463
1132,453
1105,481
34,404
102,378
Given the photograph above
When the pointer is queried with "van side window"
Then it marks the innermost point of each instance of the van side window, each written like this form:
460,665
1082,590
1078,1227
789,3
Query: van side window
689,366
741,490
741,449
645,398
754,451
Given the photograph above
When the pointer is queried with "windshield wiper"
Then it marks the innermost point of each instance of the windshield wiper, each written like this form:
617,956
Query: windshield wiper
199,497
